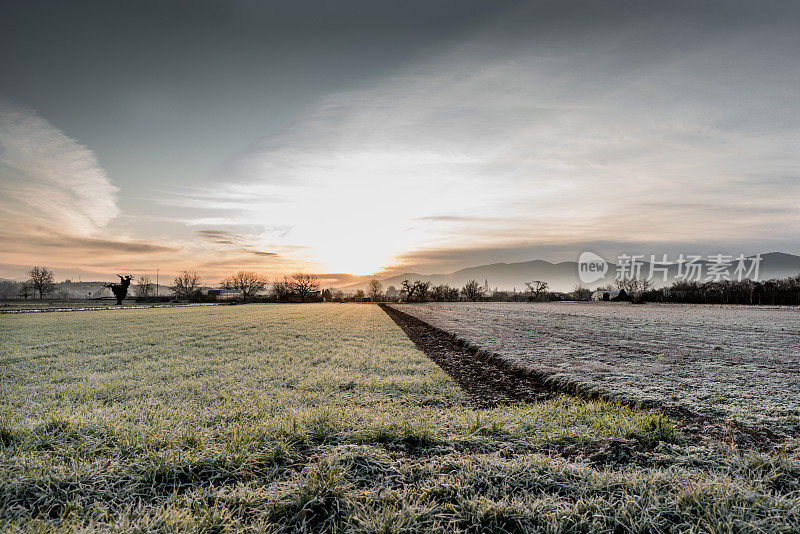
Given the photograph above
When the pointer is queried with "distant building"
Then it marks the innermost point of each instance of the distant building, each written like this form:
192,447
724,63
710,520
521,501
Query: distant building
487,293
606,294
225,294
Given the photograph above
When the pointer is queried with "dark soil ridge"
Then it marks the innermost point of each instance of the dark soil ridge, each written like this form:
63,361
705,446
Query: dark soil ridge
485,384
490,379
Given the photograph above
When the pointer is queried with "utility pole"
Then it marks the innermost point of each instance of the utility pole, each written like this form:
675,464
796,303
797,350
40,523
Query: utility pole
156,283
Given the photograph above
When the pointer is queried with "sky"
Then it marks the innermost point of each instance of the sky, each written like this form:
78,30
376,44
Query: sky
358,137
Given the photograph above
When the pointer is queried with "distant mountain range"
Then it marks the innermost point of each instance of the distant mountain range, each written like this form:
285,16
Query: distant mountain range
564,276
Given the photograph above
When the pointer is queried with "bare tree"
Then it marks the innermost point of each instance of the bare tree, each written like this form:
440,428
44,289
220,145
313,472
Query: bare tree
8,288
303,284
537,289
186,285
634,285
444,293
25,290
391,293
359,296
41,280
282,288
581,293
408,288
249,283
144,289
375,290
472,290
634,288
422,290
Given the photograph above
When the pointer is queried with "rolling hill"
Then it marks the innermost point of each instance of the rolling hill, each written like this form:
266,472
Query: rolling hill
564,276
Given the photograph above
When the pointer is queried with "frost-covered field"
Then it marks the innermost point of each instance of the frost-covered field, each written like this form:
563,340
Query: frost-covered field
729,361
326,418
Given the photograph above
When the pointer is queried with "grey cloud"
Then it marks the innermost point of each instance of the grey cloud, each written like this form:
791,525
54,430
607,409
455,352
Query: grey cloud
48,178
455,218
222,237
90,246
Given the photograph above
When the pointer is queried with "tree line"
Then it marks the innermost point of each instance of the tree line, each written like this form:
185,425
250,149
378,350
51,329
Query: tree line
187,285
773,292
472,291
41,281
298,286
303,287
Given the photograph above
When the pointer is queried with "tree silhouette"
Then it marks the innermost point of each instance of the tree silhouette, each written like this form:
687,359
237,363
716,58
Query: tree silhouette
537,288
248,282
120,290
143,287
303,284
581,293
472,290
282,288
186,285
408,288
444,293
25,290
41,280
375,290
422,290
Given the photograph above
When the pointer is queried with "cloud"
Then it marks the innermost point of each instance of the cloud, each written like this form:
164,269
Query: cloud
242,259
454,218
262,253
222,237
100,245
75,247
644,127
48,178
57,205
